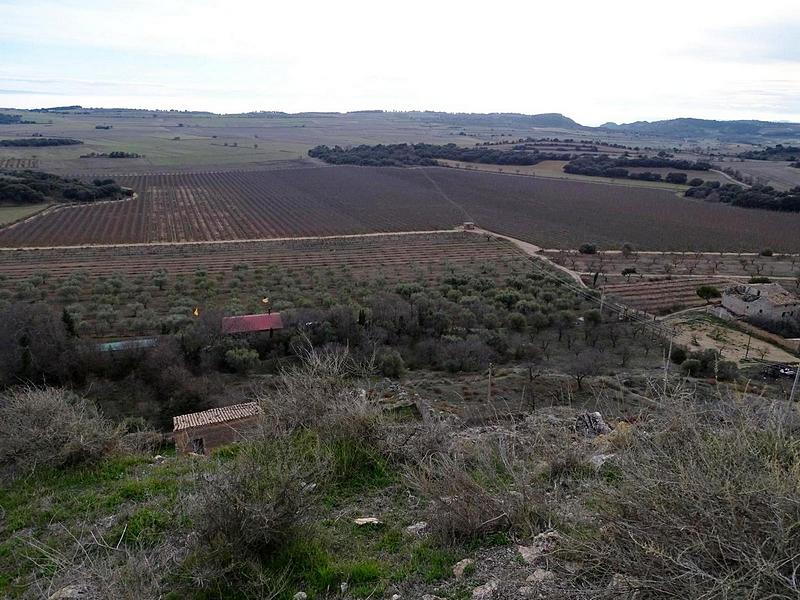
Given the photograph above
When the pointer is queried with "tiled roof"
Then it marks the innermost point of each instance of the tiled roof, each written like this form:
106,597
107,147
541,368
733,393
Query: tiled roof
213,416
778,295
252,323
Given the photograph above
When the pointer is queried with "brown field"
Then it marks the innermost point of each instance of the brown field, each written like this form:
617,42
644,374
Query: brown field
351,200
699,332
564,214
778,174
214,274
554,169
248,205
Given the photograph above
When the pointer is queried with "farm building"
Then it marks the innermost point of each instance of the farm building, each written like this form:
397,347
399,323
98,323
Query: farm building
765,300
201,432
252,323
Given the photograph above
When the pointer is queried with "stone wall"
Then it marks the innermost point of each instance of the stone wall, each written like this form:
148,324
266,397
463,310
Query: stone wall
215,435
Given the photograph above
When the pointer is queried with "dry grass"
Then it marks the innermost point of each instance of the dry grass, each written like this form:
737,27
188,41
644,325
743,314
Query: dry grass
703,504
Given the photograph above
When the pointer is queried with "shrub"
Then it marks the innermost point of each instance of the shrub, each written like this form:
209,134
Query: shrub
51,428
691,367
703,506
727,370
259,501
516,321
676,178
695,182
707,292
141,442
241,360
766,252
390,364
463,507
759,279
587,249
678,355
324,385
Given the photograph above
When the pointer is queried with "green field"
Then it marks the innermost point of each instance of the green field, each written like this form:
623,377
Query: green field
553,169
9,214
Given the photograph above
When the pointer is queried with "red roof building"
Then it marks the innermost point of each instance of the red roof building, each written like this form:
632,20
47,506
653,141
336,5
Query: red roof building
252,323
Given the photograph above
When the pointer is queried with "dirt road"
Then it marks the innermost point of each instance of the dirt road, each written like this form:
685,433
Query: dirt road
531,250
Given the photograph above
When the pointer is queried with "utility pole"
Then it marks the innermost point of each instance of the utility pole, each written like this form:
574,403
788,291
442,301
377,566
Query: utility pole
747,351
795,384
490,382
602,301
530,384
666,361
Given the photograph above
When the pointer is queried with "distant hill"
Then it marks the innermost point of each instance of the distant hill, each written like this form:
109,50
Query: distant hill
746,131
707,128
545,120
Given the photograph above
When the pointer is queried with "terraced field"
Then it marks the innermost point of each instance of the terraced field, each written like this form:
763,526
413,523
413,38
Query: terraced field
662,297
664,264
138,285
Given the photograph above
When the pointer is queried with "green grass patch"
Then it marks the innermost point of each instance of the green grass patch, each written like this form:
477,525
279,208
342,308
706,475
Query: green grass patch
358,467
432,563
54,504
146,526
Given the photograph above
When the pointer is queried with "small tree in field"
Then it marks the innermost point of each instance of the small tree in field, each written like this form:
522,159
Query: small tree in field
241,360
708,292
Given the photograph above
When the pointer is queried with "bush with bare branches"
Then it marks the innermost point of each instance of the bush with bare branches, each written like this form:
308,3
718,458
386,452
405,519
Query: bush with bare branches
490,481
93,567
259,500
462,506
704,505
50,427
322,383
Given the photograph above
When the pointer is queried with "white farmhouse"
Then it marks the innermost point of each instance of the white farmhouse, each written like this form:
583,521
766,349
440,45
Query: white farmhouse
768,301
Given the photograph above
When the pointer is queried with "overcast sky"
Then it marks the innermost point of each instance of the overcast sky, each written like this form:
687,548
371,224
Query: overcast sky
593,61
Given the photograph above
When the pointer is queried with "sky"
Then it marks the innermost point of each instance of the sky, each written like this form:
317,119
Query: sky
593,61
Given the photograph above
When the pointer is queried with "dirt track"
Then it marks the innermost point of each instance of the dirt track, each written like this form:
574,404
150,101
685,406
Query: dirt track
233,241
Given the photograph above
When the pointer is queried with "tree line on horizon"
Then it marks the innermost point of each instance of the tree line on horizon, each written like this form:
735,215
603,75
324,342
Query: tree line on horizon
426,155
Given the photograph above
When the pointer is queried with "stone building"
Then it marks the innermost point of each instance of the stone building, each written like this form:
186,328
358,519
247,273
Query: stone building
769,301
201,432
